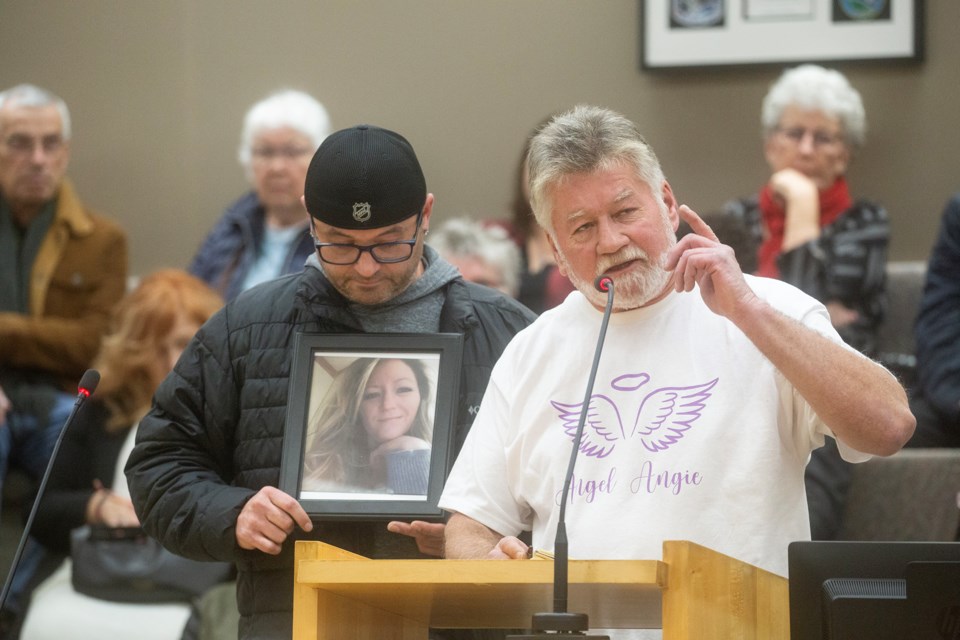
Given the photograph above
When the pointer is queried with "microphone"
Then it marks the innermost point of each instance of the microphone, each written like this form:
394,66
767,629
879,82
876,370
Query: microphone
604,284
88,384
560,622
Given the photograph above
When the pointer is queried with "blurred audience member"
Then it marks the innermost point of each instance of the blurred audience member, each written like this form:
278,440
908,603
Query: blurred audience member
809,230
62,268
542,286
484,254
150,328
811,233
264,234
936,402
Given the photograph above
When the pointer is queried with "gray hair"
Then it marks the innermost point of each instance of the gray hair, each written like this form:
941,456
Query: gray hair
28,95
584,140
288,108
468,238
812,87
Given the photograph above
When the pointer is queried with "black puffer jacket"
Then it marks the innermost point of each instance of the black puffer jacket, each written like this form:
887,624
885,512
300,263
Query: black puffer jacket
847,263
214,436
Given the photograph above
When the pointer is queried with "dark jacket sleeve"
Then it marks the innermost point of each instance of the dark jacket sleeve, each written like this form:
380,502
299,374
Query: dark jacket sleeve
937,328
178,470
208,262
847,264
223,248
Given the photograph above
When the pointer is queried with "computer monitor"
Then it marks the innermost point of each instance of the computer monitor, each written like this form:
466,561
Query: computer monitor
877,590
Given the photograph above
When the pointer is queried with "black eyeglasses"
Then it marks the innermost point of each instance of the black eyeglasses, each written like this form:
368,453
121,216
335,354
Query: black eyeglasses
383,252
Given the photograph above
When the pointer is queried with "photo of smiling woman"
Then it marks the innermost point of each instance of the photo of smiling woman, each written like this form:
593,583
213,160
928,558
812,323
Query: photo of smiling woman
372,430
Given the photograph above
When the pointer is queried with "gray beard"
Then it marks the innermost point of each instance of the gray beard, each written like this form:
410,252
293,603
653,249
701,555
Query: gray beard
631,291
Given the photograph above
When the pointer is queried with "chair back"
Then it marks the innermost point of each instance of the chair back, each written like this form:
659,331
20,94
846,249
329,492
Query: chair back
912,495
896,348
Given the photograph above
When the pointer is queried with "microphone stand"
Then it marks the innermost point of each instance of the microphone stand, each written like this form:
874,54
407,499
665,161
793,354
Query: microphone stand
560,622
88,384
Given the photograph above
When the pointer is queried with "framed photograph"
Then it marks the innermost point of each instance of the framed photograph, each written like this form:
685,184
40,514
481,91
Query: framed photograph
370,424
676,34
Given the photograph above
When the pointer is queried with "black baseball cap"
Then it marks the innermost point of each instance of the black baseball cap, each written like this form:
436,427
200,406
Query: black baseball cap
364,177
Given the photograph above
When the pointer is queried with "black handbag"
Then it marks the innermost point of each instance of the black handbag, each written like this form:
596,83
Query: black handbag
124,564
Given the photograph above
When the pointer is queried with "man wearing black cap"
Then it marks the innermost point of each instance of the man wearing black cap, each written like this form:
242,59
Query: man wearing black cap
204,472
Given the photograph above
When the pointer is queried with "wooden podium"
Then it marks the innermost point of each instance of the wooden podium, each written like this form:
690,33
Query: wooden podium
693,593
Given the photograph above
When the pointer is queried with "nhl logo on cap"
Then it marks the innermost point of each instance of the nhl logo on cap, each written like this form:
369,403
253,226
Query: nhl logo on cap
361,211
364,177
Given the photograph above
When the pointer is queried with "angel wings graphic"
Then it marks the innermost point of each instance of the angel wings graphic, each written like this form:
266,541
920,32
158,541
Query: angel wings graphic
663,417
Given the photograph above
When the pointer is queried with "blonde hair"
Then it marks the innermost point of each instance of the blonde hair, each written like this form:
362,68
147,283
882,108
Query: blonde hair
139,324
337,450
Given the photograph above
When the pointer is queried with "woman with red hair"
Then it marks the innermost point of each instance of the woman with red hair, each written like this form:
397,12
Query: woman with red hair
150,327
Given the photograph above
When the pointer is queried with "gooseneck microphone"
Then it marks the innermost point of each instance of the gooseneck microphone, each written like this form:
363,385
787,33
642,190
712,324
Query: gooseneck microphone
560,622
88,384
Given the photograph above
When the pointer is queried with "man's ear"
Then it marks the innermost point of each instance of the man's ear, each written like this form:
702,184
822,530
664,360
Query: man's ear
670,200
427,210
310,221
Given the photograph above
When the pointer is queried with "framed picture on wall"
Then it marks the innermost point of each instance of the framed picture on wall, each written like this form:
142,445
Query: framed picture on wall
678,34
370,424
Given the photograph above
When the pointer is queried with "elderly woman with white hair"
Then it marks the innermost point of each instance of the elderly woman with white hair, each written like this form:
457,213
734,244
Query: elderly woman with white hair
809,230
264,234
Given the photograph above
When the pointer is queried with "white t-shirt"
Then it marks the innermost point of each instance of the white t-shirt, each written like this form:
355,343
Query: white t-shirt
692,434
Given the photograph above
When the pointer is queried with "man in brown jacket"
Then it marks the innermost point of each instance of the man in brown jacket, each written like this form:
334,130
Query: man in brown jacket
62,268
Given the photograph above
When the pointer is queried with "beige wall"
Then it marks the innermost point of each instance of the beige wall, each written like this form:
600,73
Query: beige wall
158,90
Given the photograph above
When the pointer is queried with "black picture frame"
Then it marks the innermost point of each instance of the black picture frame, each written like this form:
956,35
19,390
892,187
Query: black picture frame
684,35
325,403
